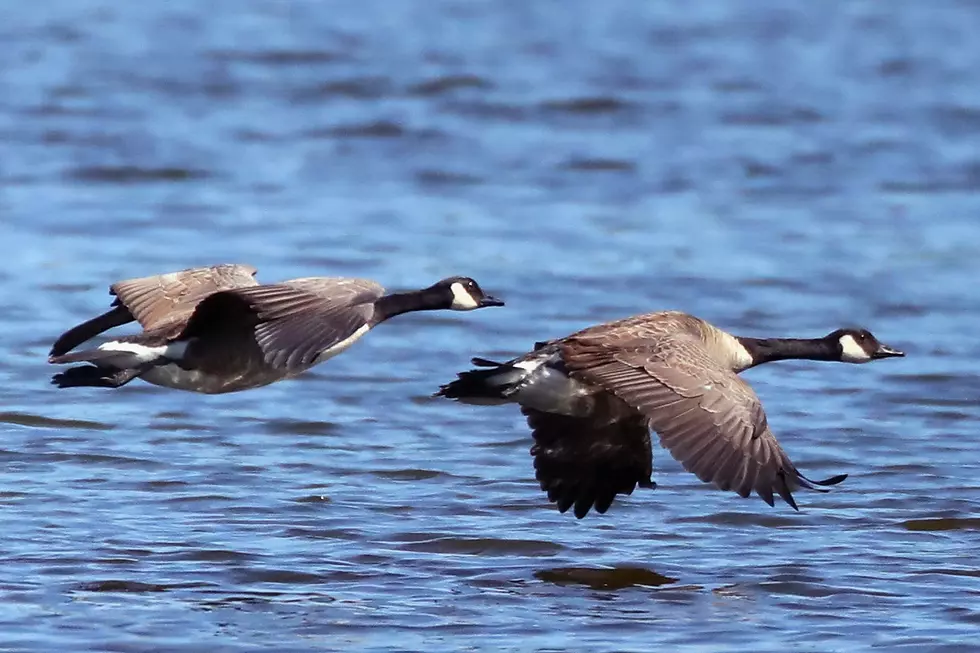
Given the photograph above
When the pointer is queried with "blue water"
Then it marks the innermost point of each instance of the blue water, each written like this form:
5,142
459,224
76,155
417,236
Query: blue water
778,169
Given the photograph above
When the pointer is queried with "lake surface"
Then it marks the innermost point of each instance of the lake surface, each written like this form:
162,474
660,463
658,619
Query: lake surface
778,170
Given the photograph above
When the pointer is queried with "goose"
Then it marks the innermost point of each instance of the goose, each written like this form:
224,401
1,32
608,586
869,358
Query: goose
591,399
216,329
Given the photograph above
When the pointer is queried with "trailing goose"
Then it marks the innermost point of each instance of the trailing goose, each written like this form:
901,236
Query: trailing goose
216,329
592,398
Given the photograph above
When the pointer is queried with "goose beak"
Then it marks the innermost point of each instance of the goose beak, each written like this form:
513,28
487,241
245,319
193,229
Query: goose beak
487,300
884,351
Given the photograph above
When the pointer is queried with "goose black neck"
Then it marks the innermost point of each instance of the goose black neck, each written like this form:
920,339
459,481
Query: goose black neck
765,350
397,303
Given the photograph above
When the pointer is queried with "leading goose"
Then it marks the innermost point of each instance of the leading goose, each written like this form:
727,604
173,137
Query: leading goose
591,399
215,329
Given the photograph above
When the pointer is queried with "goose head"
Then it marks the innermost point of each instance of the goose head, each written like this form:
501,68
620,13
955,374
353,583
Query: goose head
464,294
860,346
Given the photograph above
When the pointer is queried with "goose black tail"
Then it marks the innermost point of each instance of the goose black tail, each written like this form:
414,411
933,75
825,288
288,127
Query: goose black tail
483,386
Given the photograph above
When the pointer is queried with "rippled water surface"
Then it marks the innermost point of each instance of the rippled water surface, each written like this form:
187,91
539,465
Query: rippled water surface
779,169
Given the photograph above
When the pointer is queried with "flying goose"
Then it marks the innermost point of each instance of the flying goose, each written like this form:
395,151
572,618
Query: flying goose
592,398
216,329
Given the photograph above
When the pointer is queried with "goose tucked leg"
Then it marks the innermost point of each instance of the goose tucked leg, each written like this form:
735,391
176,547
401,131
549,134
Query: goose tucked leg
93,376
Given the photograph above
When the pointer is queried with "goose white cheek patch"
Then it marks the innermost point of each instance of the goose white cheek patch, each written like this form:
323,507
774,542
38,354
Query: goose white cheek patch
851,351
462,300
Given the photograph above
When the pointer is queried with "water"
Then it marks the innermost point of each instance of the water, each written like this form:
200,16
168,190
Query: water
779,170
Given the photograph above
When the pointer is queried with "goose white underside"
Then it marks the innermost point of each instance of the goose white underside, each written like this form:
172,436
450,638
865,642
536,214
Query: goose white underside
172,375
131,354
342,346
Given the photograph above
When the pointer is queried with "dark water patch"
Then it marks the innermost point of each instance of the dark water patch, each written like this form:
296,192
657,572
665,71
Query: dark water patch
72,288
772,117
163,485
926,401
926,187
136,174
351,534
199,498
95,140
819,590
426,543
905,468
754,169
484,110
172,414
448,84
789,191
613,578
598,165
305,467
438,178
259,598
374,129
59,109
586,106
313,498
280,57
92,480
358,88
930,524
812,158
945,571
929,378
176,426
900,67
940,416
740,519
252,135
736,86
117,560
286,426
96,459
409,474
27,419
785,283
957,120
900,310
194,554
129,586
280,577
505,444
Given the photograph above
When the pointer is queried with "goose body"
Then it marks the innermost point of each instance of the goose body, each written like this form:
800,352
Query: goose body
592,398
216,329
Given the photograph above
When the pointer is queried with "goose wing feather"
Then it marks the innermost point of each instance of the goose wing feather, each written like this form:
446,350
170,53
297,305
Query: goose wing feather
168,298
293,322
705,415
585,462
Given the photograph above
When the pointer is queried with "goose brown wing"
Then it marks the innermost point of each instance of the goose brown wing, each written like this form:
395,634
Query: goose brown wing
706,416
292,322
586,462
167,298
